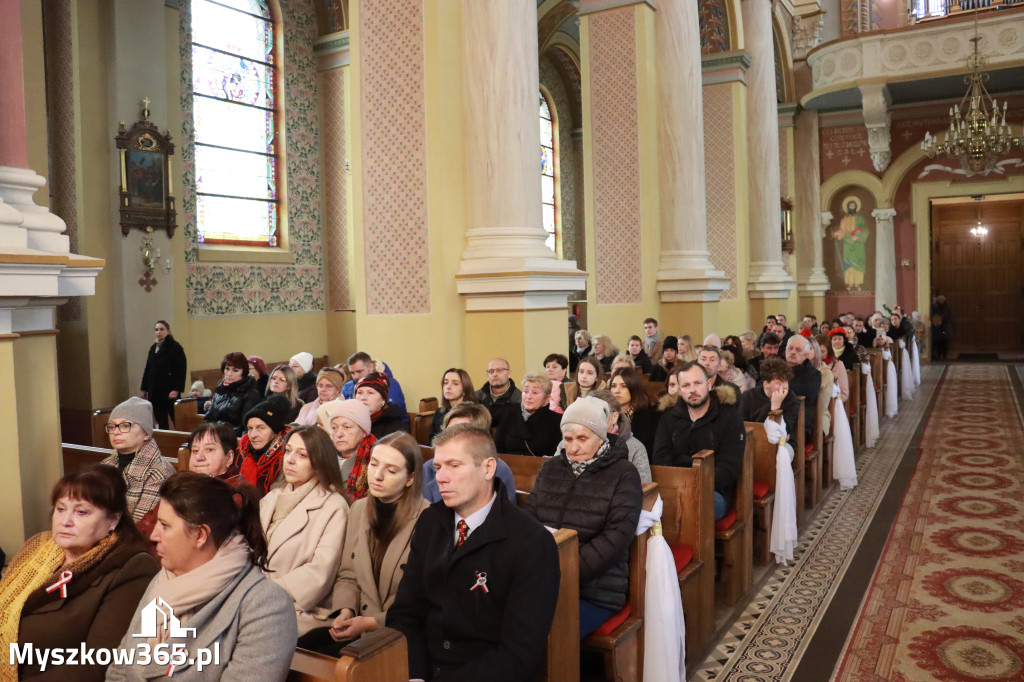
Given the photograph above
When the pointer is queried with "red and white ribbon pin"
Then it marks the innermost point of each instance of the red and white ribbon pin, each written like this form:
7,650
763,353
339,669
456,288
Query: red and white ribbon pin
65,578
481,581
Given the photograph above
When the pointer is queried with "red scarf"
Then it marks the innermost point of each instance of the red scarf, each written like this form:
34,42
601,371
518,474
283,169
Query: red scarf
356,483
267,469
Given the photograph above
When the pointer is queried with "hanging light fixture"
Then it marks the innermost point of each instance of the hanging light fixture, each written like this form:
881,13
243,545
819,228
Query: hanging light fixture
979,231
978,134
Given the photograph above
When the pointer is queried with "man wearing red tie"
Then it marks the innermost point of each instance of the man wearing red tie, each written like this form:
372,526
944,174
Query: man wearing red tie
480,586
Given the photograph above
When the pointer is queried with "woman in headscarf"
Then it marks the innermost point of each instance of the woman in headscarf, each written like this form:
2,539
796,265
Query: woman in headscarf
351,432
262,447
328,387
372,391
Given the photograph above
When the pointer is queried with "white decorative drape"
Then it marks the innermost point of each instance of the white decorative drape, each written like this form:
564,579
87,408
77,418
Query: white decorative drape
891,395
871,408
665,628
844,466
784,532
907,370
915,354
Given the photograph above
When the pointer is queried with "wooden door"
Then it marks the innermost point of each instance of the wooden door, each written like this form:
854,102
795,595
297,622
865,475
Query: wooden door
982,281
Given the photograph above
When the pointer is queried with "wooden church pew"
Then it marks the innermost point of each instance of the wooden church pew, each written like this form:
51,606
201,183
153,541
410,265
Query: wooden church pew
853,406
736,538
813,464
186,414
100,439
78,457
799,464
170,441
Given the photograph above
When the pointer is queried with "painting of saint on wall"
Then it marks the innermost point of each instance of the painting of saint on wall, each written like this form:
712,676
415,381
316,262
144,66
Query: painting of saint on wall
850,242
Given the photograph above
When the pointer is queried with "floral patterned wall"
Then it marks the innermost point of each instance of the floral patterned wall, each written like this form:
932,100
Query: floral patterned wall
216,289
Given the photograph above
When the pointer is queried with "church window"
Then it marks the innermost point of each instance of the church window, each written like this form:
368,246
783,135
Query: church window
549,173
234,83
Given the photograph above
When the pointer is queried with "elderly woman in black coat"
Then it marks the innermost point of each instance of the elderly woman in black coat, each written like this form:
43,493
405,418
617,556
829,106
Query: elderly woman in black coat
593,489
163,380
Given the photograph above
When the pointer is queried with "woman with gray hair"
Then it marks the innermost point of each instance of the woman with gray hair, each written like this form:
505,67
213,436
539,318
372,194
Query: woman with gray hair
592,488
534,431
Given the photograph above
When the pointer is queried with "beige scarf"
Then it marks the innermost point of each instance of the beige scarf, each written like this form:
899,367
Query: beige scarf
287,500
189,592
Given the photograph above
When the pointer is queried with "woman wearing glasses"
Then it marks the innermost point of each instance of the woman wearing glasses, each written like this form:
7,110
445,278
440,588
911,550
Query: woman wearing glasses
136,455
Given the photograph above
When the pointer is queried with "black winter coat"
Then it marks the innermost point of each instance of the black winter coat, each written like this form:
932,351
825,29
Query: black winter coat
538,436
720,429
577,354
603,506
806,382
306,386
505,404
232,402
755,406
390,421
642,362
165,370
645,426
459,634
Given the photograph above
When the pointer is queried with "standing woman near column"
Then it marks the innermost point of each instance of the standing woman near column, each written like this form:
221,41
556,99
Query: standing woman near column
163,380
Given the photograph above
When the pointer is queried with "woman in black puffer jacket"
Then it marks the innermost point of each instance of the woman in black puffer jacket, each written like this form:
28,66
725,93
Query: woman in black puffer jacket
236,393
593,489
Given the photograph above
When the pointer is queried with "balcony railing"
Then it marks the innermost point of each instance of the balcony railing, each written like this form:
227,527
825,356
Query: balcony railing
925,10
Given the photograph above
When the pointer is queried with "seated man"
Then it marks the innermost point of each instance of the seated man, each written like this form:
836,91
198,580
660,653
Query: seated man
500,395
359,365
703,419
710,359
772,396
769,345
653,345
480,586
806,381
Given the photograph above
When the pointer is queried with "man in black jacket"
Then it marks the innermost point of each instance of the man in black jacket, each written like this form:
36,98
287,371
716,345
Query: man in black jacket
771,396
703,419
806,381
500,396
710,359
480,586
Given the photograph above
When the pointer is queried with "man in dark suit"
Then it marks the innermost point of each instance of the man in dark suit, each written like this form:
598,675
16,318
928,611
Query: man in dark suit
806,381
480,586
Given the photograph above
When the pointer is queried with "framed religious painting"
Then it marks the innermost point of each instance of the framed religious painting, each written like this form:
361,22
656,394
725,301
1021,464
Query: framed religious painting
146,199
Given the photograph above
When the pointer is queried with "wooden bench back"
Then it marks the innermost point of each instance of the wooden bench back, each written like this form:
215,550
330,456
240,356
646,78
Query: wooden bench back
562,658
79,457
688,515
653,389
524,469
169,442
100,439
428,404
763,454
186,414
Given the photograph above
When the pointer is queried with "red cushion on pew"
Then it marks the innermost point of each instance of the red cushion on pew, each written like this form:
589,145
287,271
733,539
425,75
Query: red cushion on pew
727,520
613,622
808,448
761,489
682,555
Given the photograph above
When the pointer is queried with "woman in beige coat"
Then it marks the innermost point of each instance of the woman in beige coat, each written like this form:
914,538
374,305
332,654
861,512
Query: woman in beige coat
304,521
376,544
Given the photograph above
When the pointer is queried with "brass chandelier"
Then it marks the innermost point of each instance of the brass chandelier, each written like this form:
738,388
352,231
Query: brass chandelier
978,134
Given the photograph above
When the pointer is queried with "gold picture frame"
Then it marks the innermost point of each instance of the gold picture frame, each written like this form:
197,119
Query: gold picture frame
146,194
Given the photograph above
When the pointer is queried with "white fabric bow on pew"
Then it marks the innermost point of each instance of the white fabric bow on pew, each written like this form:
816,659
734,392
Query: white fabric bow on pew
665,629
907,370
844,468
871,408
916,361
891,408
784,532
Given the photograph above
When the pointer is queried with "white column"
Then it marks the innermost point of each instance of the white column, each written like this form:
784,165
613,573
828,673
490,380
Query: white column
506,264
767,277
885,257
810,268
685,272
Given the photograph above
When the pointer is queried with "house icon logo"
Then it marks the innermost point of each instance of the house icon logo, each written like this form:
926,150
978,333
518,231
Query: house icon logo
158,616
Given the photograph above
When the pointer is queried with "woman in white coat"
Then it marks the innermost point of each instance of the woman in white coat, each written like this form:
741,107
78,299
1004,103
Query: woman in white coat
305,521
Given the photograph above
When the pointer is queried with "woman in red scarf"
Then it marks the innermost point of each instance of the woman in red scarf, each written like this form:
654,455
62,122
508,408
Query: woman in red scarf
351,432
261,448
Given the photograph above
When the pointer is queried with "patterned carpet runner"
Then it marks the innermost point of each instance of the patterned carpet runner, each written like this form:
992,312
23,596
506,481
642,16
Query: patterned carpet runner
947,599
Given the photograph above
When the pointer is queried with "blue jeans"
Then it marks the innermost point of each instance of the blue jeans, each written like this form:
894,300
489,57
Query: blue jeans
592,617
721,506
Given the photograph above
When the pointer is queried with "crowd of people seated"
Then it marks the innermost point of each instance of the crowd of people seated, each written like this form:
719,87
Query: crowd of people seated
309,514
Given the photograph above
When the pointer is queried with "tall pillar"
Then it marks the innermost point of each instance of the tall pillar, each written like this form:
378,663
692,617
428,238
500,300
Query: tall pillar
767,279
685,273
885,257
811,277
506,264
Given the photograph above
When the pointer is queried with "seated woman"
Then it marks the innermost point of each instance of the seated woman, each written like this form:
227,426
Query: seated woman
283,382
304,521
639,355
261,448
212,551
212,450
258,371
534,429
376,545
605,351
581,348
728,371
456,387
834,364
686,352
627,388
589,377
668,362
555,367
93,541
136,455
235,394
386,417
351,427
622,361
328,387
593,489
618,425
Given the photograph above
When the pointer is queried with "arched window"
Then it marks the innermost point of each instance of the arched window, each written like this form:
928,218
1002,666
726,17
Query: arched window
549,175
234,78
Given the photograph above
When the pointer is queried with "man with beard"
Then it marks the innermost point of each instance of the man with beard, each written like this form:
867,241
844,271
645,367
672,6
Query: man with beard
500,395
710,359
704,419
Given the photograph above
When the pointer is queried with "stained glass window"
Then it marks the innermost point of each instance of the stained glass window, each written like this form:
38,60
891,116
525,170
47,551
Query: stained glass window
233,81
548,174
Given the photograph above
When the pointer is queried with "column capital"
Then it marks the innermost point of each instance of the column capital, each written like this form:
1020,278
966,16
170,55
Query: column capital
689,276
331,51
769,280
884,213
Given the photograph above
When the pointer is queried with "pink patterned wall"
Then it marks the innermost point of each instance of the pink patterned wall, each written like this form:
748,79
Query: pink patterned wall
332,88
392,111
615,141
720,190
